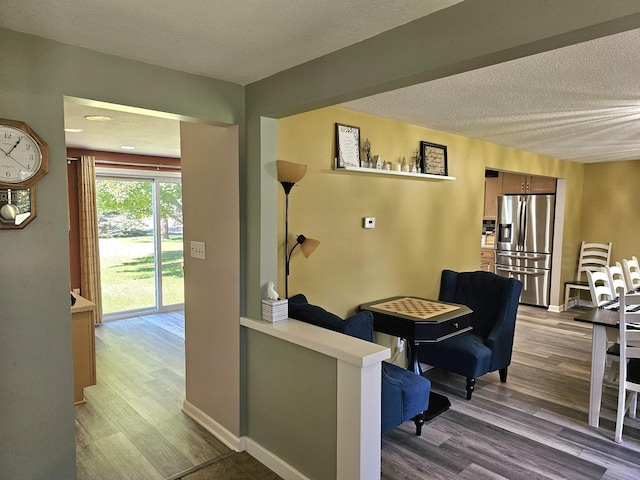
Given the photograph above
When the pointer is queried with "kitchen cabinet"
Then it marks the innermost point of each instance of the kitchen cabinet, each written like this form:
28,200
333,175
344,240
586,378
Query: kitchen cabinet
492,188
84,346
487,259
518,183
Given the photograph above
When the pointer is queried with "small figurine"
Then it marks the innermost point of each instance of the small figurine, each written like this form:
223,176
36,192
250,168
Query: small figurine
271,292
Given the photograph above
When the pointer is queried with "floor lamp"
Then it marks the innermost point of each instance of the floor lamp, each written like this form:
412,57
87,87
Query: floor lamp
289,174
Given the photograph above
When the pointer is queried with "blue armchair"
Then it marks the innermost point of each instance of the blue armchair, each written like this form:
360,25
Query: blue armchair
488,346
405,395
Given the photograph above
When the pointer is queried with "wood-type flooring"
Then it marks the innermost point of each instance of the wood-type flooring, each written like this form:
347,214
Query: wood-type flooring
532,427
132,426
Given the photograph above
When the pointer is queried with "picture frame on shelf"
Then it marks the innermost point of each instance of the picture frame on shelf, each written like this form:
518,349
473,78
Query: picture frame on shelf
434,158
347,146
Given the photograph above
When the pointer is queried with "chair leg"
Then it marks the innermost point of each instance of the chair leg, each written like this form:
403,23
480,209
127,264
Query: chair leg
471,382
503,374
419,421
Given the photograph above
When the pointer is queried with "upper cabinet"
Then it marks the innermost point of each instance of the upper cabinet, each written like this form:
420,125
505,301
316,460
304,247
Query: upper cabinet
509,183
492,188
517,183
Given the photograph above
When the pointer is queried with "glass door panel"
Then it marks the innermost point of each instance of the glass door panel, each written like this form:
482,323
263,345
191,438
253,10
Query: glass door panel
127,251
172,278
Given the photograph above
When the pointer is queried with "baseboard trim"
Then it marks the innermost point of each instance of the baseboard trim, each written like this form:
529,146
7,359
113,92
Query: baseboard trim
556,308
213,427
241,444
275,463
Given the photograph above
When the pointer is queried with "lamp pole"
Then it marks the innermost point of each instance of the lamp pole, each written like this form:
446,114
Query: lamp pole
287,189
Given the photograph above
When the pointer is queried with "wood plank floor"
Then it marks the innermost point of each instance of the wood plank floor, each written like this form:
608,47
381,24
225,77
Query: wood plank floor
132,426
532,427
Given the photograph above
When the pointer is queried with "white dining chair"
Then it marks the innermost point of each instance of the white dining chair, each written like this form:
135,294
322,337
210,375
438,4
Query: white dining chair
632,273
600,287
617,283
601,293
629,384
592,257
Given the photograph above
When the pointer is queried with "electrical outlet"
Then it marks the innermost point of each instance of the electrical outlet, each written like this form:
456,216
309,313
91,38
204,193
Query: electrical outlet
198,250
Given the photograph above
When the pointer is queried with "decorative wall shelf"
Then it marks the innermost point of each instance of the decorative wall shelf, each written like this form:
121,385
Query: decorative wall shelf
376,171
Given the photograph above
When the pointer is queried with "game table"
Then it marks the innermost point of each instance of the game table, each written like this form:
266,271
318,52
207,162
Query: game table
419,321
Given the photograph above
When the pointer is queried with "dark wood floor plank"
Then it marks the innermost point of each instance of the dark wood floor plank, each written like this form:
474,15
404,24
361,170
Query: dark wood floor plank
534,425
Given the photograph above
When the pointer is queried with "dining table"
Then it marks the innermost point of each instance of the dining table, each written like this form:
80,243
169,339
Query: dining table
605,328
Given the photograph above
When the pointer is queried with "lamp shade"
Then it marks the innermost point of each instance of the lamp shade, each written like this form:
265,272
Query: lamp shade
289,172
308,246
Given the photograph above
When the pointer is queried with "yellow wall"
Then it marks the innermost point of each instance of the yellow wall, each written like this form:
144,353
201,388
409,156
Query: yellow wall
610,210
422,226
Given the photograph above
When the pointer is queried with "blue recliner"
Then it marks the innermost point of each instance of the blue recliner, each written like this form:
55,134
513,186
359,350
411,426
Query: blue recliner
405,395
488,346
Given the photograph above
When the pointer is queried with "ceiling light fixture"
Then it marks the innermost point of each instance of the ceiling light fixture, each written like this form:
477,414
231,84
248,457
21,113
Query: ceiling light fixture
127,147
97,118
73,130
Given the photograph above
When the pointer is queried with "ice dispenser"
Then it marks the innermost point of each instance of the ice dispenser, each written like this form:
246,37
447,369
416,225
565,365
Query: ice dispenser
504,232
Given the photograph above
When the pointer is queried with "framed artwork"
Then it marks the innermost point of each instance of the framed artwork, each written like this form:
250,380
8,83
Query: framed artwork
347,146
434,158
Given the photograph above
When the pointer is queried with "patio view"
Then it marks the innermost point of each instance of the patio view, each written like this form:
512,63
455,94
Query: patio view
141,250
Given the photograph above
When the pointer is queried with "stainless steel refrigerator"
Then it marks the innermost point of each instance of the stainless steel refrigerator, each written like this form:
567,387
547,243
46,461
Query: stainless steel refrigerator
524,241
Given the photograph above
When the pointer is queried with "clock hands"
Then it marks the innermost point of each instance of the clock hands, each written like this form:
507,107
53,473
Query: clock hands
8,154
12,148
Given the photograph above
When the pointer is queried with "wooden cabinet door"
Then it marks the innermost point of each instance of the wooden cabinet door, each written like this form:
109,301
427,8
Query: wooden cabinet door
517,183
541,184
492,188
513,183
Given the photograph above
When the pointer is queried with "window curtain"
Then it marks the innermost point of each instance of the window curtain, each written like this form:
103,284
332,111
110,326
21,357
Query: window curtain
88,223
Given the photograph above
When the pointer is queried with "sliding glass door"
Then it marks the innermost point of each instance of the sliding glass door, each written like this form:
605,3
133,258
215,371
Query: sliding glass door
140,232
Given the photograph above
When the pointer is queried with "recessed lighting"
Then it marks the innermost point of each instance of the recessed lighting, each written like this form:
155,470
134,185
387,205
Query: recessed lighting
73,130
127,147
97,118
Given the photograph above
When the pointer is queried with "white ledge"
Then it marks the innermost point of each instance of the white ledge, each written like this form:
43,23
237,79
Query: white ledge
376,171
333,344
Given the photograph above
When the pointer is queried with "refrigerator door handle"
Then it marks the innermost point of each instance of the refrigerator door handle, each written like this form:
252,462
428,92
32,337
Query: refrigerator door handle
522,271
523,222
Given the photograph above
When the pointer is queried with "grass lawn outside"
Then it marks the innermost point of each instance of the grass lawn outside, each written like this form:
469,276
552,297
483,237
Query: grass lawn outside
127,273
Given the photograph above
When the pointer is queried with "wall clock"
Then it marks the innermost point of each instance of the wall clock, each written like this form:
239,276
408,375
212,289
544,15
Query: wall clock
24,159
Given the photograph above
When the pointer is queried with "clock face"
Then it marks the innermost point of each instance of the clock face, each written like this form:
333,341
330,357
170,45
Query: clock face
20,155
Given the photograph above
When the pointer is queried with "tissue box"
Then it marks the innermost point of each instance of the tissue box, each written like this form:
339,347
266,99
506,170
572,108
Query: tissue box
275,310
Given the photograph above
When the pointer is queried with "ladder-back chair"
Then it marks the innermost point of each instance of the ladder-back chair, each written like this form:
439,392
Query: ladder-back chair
632,273
629,384
593,256
616,279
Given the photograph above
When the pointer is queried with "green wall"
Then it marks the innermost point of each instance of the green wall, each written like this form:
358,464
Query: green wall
291,403
37,437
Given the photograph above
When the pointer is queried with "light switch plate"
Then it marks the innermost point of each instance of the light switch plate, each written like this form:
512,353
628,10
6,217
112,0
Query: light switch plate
198,250
369,222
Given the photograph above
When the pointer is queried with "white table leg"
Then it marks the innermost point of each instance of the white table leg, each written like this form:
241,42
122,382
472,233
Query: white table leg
598,361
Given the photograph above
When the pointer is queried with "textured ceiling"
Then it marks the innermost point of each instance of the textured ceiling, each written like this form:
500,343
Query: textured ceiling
580,103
